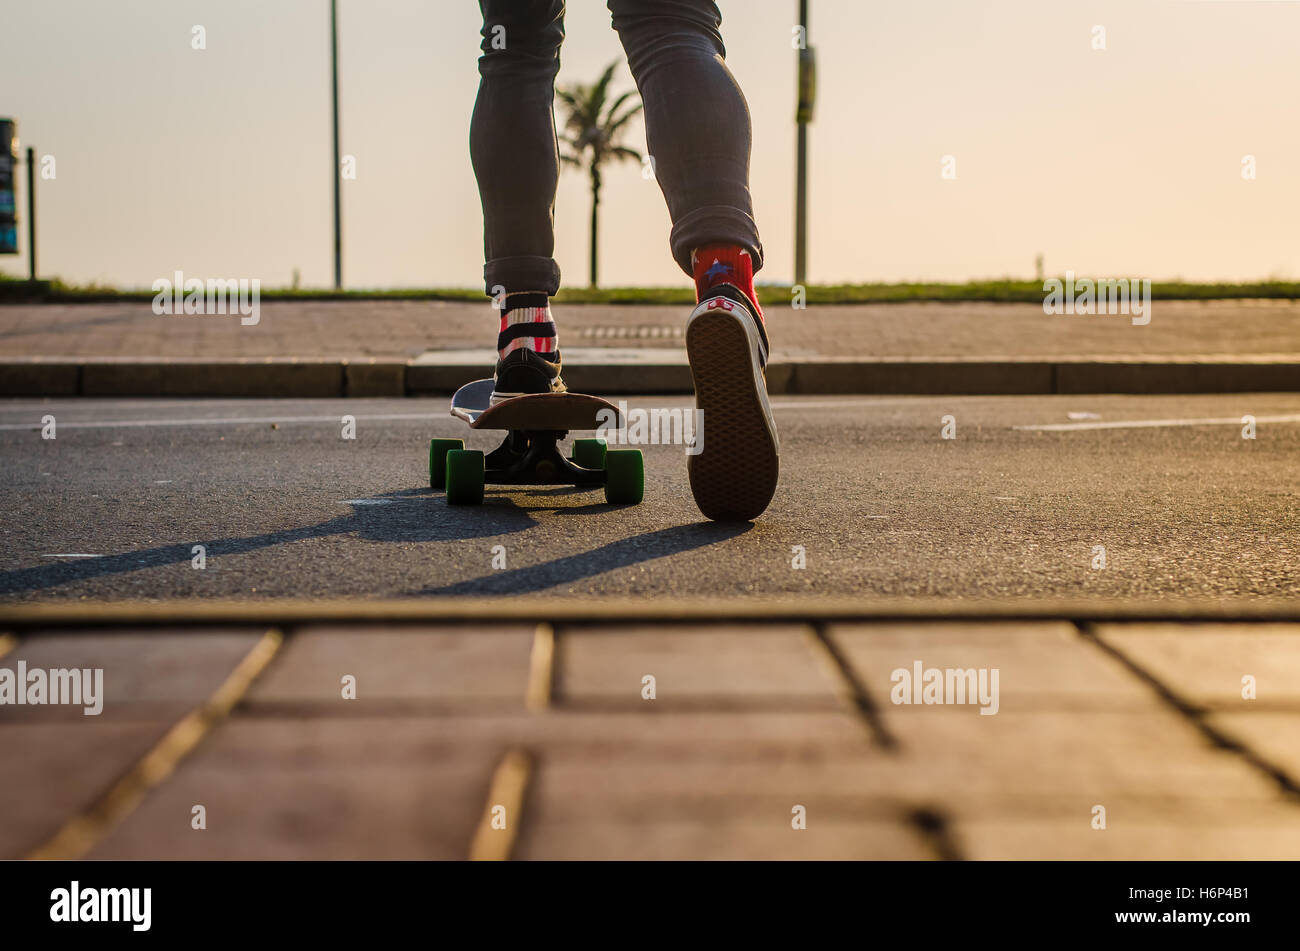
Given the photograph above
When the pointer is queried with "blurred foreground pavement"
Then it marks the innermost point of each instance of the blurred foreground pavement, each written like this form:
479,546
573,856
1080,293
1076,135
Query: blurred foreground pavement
775,741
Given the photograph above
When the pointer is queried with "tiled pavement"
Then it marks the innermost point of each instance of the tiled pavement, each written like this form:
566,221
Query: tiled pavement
748,721
402,330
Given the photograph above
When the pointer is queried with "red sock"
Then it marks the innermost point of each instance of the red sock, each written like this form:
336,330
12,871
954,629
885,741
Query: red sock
716,264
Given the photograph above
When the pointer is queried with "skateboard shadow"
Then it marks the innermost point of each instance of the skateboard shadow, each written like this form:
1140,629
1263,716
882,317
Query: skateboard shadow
405,516
617,554
411,515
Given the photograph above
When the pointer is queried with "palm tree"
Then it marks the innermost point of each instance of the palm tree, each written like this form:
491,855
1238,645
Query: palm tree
592,132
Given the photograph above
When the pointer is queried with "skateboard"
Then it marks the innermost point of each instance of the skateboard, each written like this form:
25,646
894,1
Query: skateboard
530,455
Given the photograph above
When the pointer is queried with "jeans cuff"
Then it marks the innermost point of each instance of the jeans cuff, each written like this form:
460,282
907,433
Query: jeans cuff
715,224
522,273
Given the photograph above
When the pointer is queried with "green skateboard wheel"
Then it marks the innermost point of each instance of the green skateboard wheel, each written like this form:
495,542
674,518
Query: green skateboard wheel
438,449
624,476
589,453
464,477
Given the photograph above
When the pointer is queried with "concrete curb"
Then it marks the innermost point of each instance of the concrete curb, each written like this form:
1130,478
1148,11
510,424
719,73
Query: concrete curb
657,372
27,616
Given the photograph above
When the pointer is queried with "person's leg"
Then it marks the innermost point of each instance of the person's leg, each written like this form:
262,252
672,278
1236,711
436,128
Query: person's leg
697,123
516,161
698,133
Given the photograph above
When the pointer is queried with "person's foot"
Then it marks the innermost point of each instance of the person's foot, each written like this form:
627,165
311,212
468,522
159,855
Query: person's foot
528,350
524,372
733,478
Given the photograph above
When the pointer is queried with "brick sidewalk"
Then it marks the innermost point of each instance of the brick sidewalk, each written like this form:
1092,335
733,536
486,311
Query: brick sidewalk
749,723
402,330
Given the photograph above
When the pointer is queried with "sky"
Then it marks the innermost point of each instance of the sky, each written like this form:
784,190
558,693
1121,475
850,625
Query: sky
1122,161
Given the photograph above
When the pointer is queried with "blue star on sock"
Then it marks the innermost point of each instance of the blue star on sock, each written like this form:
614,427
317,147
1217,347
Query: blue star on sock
718,269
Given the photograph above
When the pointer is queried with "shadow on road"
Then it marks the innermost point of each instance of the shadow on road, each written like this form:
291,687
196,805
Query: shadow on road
408,515
405,516
619,554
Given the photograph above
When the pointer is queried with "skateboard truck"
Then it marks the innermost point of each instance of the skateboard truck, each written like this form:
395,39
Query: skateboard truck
533,458
529,454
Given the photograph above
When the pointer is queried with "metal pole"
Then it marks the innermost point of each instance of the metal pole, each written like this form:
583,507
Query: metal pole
801,208
334,76
803,116
31,214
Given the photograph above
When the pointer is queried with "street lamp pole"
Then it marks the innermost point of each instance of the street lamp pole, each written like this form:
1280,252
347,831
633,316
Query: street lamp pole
334,76
807,80
31,214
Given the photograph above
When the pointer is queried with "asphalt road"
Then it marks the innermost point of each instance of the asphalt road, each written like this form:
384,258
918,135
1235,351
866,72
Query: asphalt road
879,502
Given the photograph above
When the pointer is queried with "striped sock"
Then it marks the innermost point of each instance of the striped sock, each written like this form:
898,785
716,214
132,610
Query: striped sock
526,323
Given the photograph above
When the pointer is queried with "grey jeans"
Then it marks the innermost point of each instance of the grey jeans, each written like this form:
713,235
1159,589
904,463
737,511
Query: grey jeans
697,130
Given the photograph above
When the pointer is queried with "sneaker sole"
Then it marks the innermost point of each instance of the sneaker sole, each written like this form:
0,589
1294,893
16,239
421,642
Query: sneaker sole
734,477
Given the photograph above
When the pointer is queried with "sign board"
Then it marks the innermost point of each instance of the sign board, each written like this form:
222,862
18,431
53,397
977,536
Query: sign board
8,172
807,86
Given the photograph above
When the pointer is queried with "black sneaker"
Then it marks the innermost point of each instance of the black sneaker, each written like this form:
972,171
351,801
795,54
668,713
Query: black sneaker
734,477
524,372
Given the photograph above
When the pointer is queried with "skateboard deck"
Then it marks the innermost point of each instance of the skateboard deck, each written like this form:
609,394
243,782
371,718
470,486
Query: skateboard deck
555,412
529,455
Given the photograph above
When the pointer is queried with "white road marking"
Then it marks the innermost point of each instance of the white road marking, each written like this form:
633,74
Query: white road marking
1153,423
427,416
73,555
367,501
221,421
832,403
19,404
781,404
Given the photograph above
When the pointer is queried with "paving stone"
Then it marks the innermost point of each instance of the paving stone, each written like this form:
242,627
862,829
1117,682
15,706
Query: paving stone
150,675
691,664
1024,786
1204,663
713,737
573,790
958,758
1275,736
316,788
469,663
634,764
50,772
1271,833
721,840
713,786
1041,665
58,761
